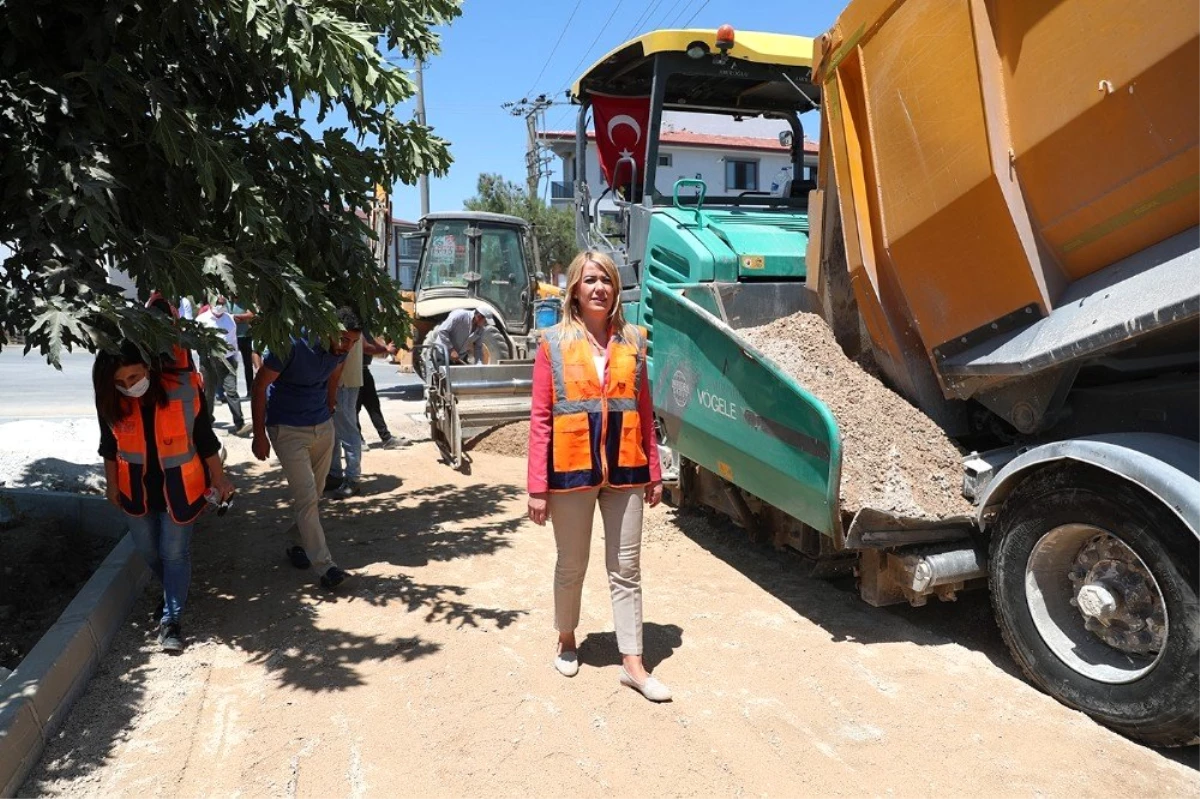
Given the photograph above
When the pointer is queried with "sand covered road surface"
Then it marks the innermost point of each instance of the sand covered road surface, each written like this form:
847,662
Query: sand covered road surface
429,673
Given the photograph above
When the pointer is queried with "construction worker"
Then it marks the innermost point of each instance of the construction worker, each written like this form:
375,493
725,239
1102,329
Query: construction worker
367,396
592,442
345,469
459,332
162,465
293,402
220,369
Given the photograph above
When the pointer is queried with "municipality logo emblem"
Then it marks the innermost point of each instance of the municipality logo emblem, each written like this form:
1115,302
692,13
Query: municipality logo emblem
681,388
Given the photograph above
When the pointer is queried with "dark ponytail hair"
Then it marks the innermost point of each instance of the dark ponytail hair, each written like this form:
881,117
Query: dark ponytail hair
111,404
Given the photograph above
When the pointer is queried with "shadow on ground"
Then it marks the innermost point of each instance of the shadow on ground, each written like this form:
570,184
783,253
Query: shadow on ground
245,595
56,474
408,391
659,642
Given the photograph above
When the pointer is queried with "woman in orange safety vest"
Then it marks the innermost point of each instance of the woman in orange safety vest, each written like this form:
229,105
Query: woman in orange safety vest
592,441
161,459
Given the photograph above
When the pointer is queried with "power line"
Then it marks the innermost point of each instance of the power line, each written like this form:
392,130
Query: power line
662,22
645,17
682,13
693,16
555,48
600,32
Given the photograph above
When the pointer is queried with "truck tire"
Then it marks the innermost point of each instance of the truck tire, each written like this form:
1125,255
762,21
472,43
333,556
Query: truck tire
1094,586
417,356
495,345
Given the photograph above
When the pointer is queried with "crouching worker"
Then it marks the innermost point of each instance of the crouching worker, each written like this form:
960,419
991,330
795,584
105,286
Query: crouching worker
161,458
293,402
460,334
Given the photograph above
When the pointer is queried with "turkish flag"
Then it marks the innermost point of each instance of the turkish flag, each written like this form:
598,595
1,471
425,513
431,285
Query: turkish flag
621,133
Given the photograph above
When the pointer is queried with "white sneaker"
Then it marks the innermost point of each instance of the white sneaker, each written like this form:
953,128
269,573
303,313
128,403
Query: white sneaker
652,689
567,664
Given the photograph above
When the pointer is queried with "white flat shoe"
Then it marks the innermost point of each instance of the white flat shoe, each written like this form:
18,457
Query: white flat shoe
567,664
652,689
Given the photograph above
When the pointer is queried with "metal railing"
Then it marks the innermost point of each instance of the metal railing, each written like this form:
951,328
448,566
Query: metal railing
562,189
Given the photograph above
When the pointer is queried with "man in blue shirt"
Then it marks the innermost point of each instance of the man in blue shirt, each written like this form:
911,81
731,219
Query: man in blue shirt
293,403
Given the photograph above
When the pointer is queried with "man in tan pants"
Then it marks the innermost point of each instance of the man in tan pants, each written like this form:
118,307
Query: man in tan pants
293,401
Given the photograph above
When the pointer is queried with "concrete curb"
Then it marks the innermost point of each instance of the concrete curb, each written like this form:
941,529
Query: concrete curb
36,698
91,514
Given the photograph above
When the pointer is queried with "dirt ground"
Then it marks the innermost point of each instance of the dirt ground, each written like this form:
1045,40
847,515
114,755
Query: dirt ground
429,673
43,564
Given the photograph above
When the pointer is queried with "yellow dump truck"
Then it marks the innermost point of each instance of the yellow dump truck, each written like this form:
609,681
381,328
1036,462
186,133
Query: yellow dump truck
1006,222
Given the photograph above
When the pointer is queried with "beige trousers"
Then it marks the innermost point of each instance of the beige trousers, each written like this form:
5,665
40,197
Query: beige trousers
304,453
572,515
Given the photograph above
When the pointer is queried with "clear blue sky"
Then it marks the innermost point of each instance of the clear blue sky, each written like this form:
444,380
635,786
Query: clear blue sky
496,50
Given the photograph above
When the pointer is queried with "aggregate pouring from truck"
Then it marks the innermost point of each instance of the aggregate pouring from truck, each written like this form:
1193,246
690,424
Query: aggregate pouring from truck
1003,231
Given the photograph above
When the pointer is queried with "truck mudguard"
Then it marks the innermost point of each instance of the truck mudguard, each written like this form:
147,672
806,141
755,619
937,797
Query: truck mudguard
1166,466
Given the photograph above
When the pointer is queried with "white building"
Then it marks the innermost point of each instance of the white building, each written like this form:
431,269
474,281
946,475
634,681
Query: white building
403,254
730,157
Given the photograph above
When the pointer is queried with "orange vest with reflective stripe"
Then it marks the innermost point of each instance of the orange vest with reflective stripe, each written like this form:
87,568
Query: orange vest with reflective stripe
596,438
185,477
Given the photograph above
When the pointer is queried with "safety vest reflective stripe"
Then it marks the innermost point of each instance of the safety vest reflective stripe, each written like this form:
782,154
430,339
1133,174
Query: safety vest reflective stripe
554,339
593,406
186,394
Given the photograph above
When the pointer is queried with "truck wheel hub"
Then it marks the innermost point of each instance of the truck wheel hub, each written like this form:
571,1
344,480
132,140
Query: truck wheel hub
1095,604
1117,597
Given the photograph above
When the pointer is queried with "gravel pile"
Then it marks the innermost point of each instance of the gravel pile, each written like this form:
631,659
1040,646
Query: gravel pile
510,439
894,458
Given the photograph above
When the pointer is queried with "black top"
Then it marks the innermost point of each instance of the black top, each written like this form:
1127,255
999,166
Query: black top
203,439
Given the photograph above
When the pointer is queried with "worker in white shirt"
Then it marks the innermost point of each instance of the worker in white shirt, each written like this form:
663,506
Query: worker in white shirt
221,367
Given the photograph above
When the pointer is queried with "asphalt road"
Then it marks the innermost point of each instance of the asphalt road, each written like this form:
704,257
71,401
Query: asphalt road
32,389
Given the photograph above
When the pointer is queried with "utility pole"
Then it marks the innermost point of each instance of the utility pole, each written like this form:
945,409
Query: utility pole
423,180
533,110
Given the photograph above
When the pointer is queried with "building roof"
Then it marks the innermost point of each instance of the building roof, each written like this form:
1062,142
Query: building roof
686,138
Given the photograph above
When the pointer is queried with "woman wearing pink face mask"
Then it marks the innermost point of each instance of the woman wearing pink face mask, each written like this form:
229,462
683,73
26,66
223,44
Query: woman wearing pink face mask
162,466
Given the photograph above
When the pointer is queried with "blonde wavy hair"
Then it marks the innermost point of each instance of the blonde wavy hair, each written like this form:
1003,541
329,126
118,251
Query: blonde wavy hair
572,322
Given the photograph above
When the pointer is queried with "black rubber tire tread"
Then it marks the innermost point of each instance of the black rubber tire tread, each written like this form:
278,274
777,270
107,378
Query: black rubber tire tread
418,357
495,345
1163,707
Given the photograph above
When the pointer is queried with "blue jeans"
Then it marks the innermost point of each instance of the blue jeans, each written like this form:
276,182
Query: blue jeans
167,549
346,437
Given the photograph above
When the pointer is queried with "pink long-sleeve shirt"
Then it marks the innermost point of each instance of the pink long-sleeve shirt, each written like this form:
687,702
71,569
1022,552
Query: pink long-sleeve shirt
541,423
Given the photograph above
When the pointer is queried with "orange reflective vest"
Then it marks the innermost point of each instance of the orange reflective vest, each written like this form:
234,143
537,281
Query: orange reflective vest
185,477
596,438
